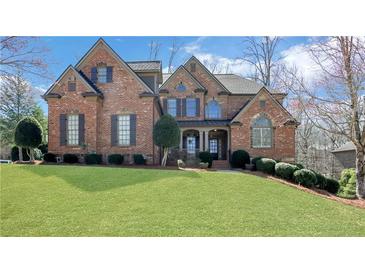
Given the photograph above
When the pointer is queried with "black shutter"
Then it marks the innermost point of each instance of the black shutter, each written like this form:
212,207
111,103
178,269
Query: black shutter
197,112
114,130
94,75
109,74
63,133
183,107
81,129
164,106
197,142
178,107
133,126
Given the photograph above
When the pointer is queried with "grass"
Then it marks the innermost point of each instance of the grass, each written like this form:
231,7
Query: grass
102,201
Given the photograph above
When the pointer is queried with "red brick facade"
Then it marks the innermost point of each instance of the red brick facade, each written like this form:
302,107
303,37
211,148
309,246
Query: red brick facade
127,94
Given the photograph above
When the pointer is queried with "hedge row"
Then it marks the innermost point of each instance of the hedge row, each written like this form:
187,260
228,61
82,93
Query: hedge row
94,159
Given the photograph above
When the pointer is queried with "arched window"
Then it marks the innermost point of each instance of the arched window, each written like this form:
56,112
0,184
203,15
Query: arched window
213,110
181,87
262,133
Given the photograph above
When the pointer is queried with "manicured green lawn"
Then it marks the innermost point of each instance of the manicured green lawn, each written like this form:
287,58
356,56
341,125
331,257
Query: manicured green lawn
102,201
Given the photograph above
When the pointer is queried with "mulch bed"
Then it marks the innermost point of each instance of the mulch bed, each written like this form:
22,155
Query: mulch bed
360,203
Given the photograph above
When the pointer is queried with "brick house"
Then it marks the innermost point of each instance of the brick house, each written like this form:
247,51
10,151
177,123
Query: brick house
106,105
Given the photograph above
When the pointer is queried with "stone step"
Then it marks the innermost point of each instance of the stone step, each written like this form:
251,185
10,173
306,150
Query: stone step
220,164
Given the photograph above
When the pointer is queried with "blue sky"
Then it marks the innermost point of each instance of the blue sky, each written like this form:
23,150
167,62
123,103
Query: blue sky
64,51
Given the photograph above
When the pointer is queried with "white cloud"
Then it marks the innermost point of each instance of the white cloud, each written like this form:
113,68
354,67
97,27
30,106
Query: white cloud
217,63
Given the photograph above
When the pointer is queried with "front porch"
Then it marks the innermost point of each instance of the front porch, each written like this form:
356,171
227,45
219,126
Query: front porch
194,140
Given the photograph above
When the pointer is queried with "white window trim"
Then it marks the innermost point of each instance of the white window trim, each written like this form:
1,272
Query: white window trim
73,121
98,74
122,122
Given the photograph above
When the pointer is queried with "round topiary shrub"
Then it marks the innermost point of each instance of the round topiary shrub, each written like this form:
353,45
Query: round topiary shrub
15,154
321,180
266,165
285,170
206,157
253,162
115,159
240,158
348,184
28,134
305,177
93,159
70,158
332,185
49,157
139,159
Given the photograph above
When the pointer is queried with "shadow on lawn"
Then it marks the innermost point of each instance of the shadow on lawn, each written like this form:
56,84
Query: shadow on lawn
103,178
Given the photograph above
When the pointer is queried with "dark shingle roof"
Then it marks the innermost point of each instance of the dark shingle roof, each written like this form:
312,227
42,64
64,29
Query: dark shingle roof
235,84
145,65
206,123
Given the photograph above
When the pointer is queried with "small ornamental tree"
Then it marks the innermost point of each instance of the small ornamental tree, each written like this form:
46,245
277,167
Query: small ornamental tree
166,133
28,134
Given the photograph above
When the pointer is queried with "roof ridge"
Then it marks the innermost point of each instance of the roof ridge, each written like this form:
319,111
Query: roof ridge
147,61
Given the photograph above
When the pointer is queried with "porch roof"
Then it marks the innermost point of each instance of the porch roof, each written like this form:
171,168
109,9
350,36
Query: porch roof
204,123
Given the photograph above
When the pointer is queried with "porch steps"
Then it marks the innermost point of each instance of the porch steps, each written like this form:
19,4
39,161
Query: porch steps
221,164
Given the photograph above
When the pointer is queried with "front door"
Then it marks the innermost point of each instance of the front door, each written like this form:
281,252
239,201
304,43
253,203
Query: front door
191,144
213,148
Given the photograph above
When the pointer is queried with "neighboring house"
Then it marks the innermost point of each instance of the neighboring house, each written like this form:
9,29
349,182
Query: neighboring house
346,156
106,105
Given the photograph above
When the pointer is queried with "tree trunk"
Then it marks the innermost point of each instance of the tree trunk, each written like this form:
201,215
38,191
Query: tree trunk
31,154
360,173
165,154
20,151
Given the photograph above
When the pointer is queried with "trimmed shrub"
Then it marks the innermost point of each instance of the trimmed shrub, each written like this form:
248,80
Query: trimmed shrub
348,184
240,158
93,159
332,185
37,154
206,157
70,158
15,154
285,170
266,165
43,148
299,166
49,157
321,180
139,159
253,162
305,177
115,159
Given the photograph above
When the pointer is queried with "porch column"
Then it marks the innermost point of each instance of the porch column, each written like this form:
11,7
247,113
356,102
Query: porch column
206,140
201,140
181,140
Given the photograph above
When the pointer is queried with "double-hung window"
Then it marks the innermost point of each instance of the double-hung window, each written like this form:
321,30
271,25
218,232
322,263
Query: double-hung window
124,130
190,107
73,129
102,71
171,107
213,110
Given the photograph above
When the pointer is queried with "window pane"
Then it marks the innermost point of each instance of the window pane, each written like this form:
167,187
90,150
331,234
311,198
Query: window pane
213,146
102,74
190,107
123,130
171,107
73,129
266,137
262,122
256,137
213,110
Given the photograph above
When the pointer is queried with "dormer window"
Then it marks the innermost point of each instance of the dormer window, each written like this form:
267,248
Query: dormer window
192,67
180,87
